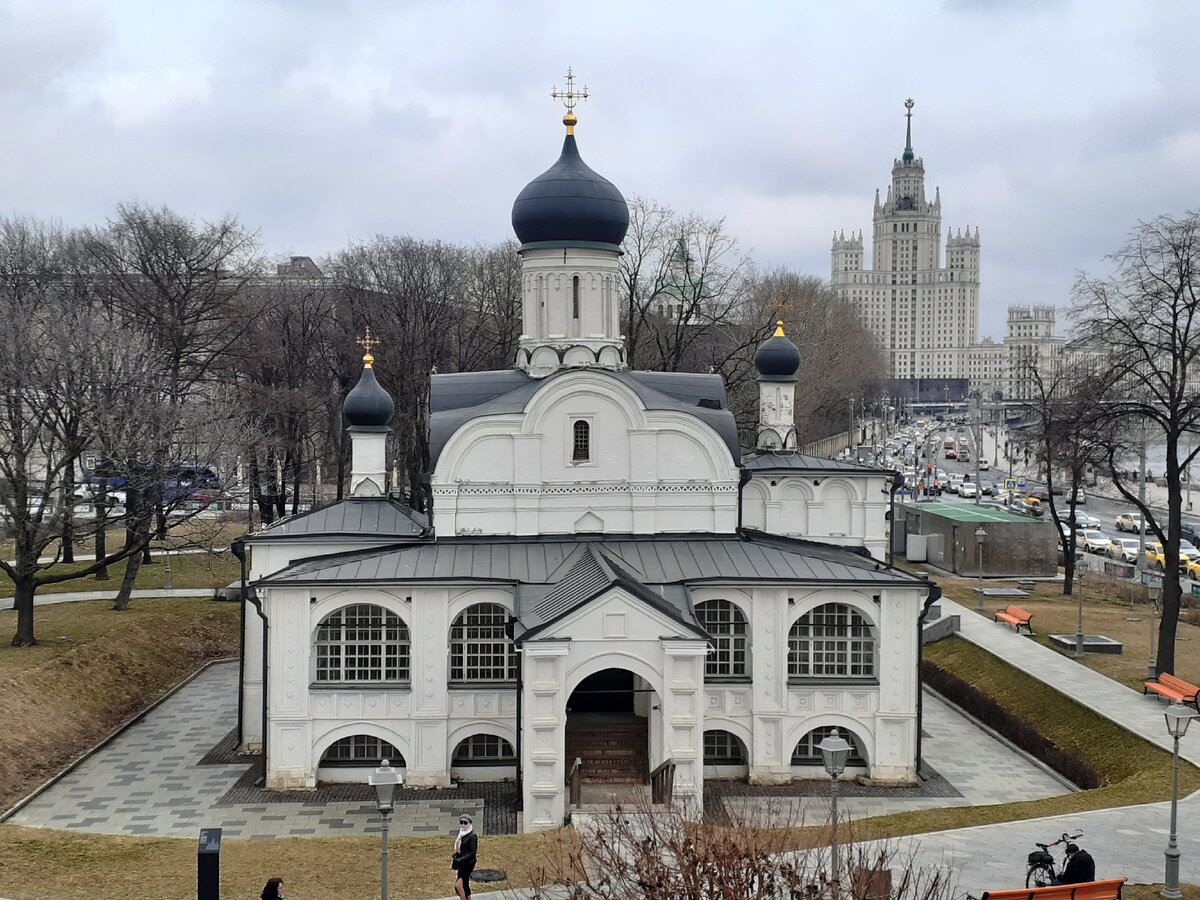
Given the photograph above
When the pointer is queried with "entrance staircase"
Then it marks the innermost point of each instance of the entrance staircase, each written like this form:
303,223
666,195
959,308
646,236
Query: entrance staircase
613,748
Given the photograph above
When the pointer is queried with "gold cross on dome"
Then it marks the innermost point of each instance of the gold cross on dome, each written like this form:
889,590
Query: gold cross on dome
570,96
367,343
779,307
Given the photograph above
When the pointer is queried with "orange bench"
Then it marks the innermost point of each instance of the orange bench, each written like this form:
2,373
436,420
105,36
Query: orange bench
1014,615
1088,890
1173,689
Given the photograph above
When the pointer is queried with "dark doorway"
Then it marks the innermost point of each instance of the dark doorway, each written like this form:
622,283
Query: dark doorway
609,691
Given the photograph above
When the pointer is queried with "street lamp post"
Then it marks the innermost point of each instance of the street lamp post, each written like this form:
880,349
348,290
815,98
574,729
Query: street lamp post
1079,626
980,537
1178,716
835,750
384,780
1152,666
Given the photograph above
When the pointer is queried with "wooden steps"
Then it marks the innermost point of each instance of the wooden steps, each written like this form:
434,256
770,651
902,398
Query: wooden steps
614,748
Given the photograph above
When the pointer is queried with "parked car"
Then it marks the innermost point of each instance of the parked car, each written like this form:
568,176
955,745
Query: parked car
1124,549
1131,522
1193,569
1190,532
1091,540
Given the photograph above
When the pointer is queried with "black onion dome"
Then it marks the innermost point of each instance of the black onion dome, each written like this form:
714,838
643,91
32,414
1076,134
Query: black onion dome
368,405
777,358
570,205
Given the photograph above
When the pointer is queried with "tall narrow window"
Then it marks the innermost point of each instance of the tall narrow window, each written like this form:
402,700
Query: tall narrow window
582,442
575,297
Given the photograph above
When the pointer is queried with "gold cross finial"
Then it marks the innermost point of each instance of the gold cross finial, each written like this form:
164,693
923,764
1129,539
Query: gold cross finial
779,307
569,97
367,343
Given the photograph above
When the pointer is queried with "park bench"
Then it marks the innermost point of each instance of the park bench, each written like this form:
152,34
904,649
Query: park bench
1015,616
1088,890
1173,689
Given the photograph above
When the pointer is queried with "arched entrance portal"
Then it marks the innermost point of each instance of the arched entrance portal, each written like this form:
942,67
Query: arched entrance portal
608,727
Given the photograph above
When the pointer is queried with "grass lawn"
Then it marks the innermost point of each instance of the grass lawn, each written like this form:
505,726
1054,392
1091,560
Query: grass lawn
201,567
96,667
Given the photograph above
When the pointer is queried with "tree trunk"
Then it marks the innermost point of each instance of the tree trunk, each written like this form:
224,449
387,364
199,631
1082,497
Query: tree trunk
101,529
23,604
132,565
68,501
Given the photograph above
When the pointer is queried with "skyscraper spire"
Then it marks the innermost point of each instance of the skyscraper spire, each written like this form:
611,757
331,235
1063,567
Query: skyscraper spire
908,150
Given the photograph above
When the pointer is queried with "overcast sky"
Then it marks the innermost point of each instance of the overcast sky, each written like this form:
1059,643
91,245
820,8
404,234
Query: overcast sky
1053,127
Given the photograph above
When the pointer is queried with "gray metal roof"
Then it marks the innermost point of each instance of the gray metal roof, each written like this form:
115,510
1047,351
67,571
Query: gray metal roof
790,461
377,518
457,398
686,559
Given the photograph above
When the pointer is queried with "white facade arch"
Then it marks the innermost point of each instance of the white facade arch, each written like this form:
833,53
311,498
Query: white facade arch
860,728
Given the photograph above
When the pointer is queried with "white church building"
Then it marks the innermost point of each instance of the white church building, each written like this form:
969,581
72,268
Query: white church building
605,574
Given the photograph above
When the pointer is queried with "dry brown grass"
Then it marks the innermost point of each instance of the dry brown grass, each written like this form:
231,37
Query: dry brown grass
37,864
92,669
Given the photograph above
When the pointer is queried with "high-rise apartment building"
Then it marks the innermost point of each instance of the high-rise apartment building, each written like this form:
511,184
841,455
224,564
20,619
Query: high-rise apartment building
925,315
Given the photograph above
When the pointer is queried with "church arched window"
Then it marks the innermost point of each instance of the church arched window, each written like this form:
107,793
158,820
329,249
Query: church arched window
483,749
480,648
363,643
362,750
807,753
831,641
581,441
726,626
575,297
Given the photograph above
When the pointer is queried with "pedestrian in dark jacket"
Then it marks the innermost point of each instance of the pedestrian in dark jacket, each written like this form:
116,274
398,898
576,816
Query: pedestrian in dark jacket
273,890
1080,867
466,845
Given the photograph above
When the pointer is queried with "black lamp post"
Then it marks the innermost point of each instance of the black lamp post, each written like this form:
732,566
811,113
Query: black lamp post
835,750
1178,716
384,780
1079,626
980,537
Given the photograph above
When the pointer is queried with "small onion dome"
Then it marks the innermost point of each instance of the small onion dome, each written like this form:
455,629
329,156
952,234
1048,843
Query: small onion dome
777,358
569,205
368,405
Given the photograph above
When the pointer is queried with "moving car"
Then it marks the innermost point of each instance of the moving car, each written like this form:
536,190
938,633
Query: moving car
1091,540
968,489
1131,522
984,465
1124,549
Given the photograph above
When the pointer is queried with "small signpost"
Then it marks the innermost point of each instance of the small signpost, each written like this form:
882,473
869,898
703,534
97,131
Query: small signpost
1153,580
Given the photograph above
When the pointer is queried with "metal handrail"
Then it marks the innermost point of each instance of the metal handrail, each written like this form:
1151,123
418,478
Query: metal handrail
575,783
662,782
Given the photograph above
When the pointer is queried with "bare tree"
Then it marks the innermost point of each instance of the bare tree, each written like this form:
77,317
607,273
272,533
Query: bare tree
1143,321
684,278
1070,436
838,357
636,853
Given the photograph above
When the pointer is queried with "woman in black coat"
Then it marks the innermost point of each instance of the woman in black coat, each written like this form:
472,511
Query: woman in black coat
466,845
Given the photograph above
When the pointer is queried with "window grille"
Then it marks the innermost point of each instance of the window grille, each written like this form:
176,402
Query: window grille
831,640
723,749
362,750
363,644
727,627
480,649
483,748
581,441
807,754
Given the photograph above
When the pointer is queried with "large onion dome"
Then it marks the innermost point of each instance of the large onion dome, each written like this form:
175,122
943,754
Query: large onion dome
368,405
569,205
777,358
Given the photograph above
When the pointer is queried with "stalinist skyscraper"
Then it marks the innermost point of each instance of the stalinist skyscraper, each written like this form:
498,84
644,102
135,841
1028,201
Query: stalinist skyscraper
924,315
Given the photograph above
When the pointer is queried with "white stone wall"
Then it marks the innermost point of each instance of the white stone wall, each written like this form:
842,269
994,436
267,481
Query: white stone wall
649,471
845,510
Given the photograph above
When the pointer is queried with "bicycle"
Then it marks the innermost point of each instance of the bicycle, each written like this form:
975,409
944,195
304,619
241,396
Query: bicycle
1041,862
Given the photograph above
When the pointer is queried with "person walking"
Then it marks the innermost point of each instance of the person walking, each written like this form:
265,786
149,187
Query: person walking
466,846
273,890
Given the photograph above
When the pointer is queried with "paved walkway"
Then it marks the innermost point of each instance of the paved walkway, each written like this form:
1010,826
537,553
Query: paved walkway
75,596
